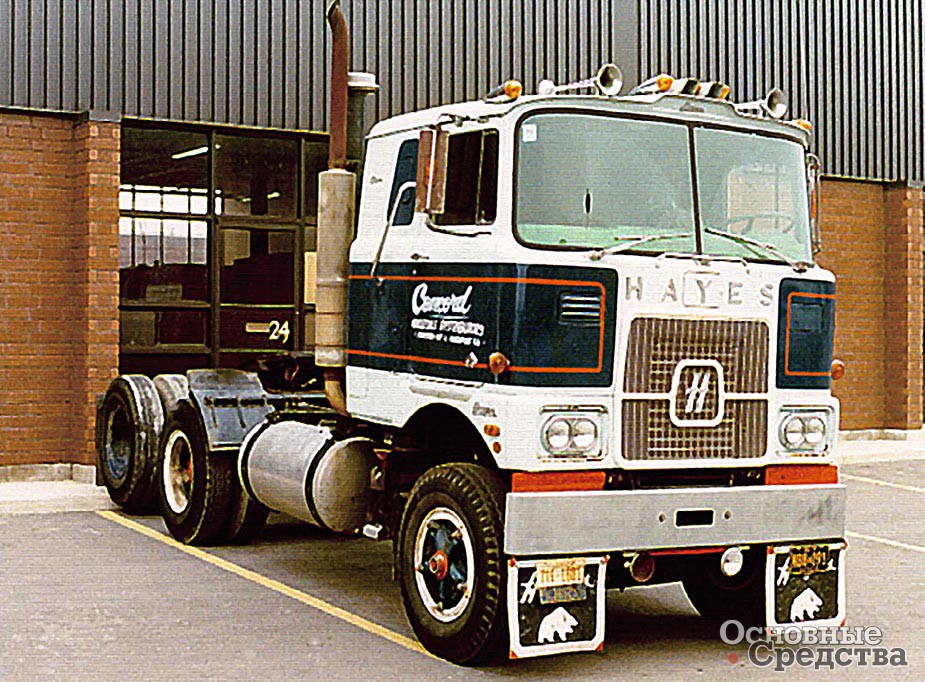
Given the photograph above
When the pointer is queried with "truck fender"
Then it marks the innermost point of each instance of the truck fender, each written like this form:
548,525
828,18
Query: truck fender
231,402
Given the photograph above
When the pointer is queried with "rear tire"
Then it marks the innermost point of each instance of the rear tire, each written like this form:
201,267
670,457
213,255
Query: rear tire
194,485
451,565
171,389
129,423
719,597
246,518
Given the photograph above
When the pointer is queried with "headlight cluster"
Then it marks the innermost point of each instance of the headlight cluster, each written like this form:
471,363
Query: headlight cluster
804,431
565,435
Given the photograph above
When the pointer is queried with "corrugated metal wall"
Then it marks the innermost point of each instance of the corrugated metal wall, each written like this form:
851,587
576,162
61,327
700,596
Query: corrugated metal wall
853,67
265,62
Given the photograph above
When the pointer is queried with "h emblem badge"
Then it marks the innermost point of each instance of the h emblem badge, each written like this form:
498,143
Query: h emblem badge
698,394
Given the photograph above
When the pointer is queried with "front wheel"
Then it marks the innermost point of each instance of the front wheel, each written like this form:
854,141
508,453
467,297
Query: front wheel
719,597
451,563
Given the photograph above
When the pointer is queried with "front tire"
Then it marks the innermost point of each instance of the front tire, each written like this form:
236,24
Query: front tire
195,486
451,564
719,597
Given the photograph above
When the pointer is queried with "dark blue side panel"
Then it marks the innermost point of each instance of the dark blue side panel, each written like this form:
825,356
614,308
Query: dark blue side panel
554,324
806,333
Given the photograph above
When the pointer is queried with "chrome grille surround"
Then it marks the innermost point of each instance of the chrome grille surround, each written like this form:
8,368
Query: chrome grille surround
658,349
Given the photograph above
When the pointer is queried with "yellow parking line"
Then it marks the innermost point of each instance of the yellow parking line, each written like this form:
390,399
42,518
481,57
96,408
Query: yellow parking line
884,541
877,481
270,584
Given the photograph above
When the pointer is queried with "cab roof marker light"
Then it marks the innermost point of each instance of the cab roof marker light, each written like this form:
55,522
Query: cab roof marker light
714,90
511,89
684,86
659,83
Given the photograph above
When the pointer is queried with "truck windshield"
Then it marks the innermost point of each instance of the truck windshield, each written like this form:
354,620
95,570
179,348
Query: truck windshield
614,184
752,189
587,181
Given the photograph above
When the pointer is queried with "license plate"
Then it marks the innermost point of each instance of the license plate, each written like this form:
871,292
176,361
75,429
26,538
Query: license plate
559,572
562,594
809,559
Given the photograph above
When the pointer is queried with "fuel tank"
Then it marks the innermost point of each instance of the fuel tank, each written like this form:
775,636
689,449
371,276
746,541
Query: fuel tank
301,470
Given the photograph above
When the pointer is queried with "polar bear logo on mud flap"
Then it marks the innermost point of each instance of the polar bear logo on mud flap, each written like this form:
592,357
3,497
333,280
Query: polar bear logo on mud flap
805,606
560,622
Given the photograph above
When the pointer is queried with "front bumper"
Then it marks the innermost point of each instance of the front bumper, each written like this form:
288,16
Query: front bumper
573,523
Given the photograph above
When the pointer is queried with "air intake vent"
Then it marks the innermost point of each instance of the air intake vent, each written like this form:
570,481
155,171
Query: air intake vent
580,308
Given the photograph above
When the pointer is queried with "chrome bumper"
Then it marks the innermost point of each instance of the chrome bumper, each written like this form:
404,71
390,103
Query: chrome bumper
606,521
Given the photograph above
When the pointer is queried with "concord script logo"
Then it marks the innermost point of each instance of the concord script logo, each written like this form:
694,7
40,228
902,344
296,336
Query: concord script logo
697,391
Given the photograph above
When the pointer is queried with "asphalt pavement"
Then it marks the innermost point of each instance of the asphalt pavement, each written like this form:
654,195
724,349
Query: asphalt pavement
89,593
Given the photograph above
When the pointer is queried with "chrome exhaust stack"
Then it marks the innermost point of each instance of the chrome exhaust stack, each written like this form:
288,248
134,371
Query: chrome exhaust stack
337,209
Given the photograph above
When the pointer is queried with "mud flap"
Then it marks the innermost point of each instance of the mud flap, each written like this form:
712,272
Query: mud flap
556,605
806,585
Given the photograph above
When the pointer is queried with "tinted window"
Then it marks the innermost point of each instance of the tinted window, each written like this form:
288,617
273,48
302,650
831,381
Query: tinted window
471,179
257,266
405,171
256,176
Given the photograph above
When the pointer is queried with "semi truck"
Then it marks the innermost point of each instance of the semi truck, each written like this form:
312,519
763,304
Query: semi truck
565,342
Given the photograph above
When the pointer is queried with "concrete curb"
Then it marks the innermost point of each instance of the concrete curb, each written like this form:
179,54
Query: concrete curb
27,473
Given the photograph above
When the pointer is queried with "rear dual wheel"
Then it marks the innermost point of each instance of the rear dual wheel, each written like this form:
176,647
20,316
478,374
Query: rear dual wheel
202,502
128,425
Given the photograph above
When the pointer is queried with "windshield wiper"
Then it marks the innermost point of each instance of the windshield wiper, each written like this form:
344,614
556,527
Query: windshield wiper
797,265
634,241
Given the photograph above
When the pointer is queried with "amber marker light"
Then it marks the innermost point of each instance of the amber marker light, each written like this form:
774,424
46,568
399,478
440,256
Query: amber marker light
723,93
513,89
663,82
800,474
838,369
804,124
492,430
497,363
555,481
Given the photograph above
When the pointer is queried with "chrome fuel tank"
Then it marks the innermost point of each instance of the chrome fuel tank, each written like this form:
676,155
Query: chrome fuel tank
299,469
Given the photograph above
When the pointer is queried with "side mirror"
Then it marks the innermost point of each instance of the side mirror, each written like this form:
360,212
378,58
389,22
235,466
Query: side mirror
430,193
814,187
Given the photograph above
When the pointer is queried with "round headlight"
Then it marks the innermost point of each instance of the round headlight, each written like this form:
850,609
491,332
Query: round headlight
793,432
814,430
584,434
558,434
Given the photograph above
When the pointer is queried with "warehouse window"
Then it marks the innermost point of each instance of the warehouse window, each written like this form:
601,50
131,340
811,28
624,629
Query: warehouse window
216,237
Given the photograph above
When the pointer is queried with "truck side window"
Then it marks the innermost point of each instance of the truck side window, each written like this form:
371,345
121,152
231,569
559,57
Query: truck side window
471,179
406,168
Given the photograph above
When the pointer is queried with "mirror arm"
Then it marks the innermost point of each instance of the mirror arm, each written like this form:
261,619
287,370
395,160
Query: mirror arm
411,184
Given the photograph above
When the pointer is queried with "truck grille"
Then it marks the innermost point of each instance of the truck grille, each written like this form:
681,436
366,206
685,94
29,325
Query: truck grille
648,433
657,345
656,348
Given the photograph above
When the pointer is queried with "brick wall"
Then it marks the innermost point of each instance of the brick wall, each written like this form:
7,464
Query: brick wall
58,283
902,309
872,240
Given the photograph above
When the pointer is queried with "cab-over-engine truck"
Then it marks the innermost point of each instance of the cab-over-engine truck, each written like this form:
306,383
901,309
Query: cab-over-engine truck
587,347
